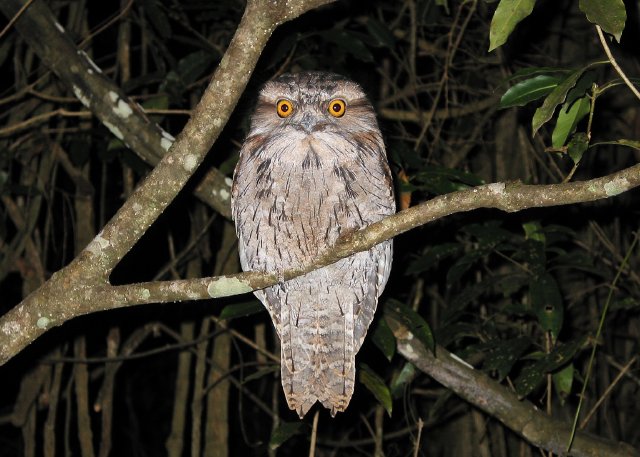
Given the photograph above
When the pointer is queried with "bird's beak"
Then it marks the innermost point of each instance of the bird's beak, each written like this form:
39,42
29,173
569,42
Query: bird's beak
308,122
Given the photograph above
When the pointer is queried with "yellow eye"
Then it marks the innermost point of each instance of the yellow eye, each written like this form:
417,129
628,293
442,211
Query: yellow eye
337,107
284,108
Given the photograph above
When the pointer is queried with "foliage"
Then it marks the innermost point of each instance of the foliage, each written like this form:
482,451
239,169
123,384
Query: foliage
520,296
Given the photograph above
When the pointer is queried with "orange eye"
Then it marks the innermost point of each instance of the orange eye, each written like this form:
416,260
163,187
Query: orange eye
284,108
337,107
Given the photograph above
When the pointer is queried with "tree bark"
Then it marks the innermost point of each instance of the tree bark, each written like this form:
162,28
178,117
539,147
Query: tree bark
496,400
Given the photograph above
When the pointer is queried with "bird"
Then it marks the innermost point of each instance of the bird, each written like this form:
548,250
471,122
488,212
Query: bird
313,168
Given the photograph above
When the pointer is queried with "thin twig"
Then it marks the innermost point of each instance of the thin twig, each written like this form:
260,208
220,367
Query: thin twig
379,431
416,448
615,63
314,434
15,18
249,342
597,337
11,129
611,361
608,390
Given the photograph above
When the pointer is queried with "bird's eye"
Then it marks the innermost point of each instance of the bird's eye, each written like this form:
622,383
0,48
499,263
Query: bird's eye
337,107
284,108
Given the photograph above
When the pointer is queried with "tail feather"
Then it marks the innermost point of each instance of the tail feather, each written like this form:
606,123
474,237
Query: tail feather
322,319
318,357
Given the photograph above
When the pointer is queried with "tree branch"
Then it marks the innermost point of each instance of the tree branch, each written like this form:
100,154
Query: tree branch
52,305
496,400
125,118
614,63
92,267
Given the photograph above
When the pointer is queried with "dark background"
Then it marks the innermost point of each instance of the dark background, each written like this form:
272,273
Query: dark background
475,278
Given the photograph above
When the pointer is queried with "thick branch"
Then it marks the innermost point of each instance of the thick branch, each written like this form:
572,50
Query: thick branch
51,306
123,117
68,287
495,399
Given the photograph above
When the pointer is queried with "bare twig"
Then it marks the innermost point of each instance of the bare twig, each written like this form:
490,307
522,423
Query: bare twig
614,63
624,370
314,434
15,17
416,448
603,315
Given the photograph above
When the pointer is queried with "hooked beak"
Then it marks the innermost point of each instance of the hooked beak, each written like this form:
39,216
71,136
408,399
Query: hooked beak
310,123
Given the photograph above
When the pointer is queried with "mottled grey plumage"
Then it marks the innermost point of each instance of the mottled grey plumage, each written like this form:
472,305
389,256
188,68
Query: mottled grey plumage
305,177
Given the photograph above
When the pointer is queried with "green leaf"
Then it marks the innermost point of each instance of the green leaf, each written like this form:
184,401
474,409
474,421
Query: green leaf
285,431
192,66
568,120
401,313
533,231
608,14
402,379
532,375
383,338
546,302
622,142
530,378
531,71
563,381
380,33
583,87
529,90
557,96
508,14
241,309
376,386
577,146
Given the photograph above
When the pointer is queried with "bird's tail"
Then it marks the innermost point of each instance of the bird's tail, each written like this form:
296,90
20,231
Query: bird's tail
318,356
